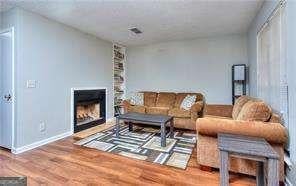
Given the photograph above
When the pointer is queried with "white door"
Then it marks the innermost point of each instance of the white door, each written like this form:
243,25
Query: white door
6,87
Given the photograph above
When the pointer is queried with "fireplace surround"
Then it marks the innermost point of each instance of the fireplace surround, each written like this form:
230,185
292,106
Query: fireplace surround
89,108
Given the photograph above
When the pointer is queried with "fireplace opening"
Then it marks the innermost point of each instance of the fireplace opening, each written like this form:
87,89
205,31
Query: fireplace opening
89,108
88,113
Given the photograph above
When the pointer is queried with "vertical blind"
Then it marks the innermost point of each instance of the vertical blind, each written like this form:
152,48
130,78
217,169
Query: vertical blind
271,63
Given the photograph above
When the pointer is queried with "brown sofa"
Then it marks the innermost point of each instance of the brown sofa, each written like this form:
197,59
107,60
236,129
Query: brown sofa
168,103
250,117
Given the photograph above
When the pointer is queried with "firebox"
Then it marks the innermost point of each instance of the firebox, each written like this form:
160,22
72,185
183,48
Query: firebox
89,108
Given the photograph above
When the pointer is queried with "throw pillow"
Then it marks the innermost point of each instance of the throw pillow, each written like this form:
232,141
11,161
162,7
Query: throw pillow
255,111
187,102
137,98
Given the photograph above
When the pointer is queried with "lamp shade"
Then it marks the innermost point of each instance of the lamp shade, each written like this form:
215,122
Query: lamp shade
239,72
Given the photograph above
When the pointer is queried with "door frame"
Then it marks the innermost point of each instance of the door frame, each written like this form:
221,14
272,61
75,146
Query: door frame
12,30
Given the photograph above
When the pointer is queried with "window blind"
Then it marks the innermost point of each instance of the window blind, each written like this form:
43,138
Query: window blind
271,63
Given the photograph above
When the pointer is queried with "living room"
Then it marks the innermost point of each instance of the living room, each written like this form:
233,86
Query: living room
126,53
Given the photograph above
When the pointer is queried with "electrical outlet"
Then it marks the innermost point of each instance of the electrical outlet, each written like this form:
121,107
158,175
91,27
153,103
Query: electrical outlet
42,127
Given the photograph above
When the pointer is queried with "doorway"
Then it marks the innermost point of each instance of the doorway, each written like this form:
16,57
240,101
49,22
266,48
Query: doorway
7,88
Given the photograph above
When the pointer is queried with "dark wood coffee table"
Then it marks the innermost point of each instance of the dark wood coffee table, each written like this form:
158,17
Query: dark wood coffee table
156,120
250,148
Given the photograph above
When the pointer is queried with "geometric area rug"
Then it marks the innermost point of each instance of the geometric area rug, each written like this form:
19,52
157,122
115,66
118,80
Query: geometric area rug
143,143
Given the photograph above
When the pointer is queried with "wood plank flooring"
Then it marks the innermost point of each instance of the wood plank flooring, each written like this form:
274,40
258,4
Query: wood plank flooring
63,163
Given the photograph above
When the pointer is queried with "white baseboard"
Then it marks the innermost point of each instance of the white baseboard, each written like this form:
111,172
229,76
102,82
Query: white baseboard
40,143
48,140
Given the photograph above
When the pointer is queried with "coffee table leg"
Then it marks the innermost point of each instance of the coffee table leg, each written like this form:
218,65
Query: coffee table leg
130,126
224,175
171,129
162,134
260,174
117,127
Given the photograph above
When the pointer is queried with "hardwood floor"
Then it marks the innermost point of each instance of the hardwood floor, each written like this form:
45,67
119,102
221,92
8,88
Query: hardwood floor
63,163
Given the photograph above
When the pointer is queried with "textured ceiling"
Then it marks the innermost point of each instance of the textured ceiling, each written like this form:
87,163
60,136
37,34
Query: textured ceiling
4,6
159,20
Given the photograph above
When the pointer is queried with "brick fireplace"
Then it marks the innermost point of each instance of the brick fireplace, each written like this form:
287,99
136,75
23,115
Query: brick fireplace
89,108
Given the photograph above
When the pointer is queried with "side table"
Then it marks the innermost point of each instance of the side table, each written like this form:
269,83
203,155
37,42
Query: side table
251,148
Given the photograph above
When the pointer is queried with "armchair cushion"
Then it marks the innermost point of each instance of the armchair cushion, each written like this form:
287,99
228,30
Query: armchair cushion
272,132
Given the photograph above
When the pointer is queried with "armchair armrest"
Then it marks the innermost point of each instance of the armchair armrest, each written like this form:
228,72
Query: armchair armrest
219,110
272,132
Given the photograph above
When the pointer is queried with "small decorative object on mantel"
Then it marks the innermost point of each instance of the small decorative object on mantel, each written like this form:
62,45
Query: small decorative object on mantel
239,81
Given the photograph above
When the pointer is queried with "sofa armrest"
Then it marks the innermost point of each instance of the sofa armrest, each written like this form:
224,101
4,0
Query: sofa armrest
219,110
195,110
272,132
197,106
126,105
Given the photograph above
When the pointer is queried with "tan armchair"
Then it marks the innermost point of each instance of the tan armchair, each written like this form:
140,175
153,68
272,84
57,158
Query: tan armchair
249,117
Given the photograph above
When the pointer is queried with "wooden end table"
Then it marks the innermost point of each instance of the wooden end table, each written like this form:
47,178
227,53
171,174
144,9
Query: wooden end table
251,148
157,120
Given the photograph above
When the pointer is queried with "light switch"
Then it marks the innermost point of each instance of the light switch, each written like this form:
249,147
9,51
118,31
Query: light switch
31,83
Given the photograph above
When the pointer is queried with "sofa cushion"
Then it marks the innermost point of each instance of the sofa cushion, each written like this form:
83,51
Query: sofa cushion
157,110
239,103
255,111
165,99
137,108
178,112
150,99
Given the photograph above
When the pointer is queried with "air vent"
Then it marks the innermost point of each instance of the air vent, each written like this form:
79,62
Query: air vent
136,30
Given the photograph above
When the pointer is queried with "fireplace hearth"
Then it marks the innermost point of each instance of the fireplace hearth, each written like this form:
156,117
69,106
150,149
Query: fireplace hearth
89,108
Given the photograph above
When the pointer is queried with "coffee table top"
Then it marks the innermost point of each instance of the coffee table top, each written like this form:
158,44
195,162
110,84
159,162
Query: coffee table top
246,145
145,117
